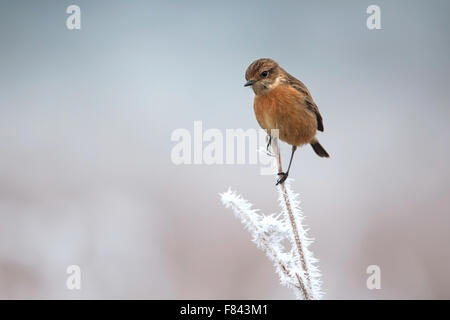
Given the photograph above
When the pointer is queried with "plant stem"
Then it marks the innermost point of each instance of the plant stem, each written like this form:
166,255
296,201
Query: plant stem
276,151
274,254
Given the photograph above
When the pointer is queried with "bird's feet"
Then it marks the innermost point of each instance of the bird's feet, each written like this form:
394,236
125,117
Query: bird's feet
269,143
283,177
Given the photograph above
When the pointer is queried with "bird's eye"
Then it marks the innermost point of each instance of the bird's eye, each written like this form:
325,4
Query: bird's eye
265,74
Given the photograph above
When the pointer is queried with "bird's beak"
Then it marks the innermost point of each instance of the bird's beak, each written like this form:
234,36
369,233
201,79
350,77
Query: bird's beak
249,83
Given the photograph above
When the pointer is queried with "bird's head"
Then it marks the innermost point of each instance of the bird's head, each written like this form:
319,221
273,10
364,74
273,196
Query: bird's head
263,75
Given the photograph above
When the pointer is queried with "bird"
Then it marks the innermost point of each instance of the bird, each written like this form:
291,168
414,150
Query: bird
283,102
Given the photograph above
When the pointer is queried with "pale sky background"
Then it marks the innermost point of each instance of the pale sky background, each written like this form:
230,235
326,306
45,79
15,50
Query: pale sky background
86,118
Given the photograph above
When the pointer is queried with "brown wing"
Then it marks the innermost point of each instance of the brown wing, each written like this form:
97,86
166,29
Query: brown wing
309,102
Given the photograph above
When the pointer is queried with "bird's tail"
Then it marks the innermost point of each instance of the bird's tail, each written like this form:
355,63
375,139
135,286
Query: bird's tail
318,149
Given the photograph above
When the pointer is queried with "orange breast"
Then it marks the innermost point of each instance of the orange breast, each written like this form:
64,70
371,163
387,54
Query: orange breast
283,108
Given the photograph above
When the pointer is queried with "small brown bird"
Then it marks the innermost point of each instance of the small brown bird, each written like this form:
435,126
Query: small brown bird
283,102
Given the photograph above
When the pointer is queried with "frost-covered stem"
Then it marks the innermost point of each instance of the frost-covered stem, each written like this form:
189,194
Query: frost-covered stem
243,210
295,265
276,151
303,288
282,266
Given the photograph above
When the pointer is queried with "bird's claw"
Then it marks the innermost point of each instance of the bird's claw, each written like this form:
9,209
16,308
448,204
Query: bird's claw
269,142
283,177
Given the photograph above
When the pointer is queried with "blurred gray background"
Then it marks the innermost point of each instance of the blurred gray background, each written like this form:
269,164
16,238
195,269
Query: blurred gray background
86,118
